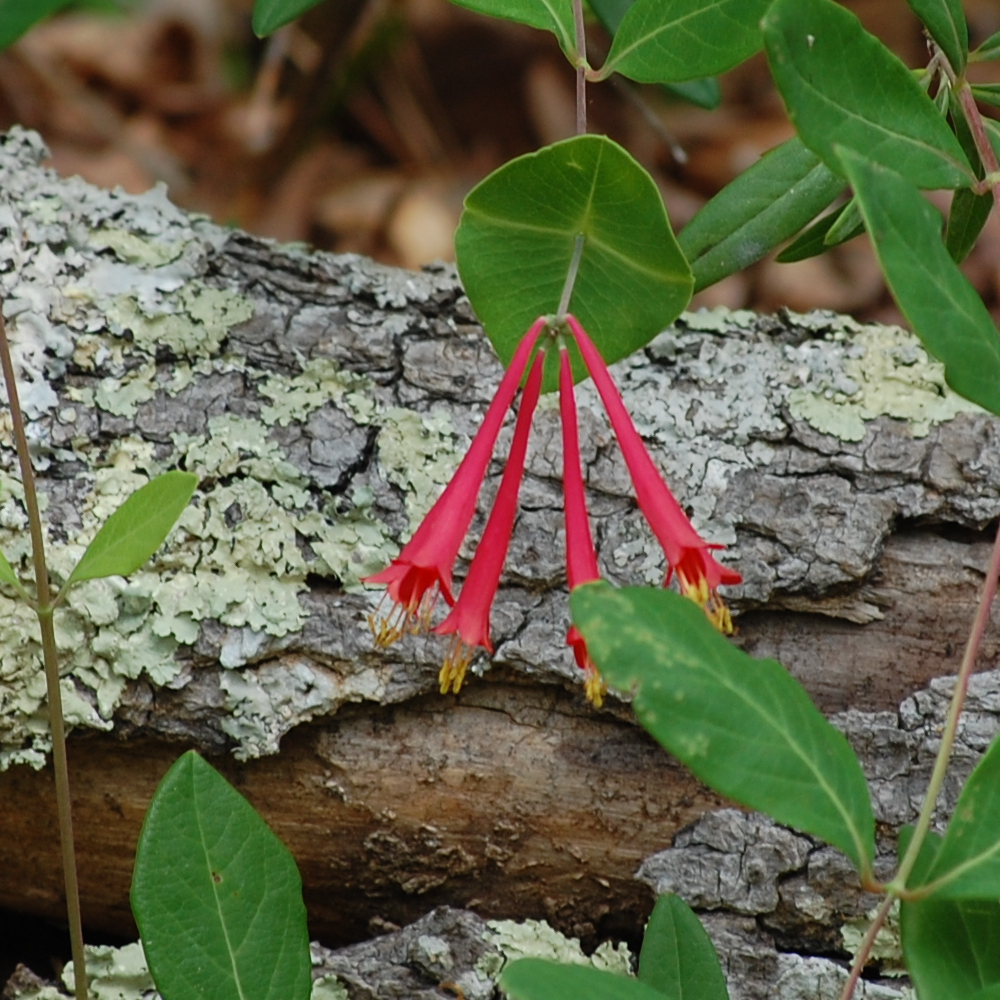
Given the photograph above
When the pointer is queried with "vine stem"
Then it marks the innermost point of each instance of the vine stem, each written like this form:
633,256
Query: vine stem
861,959
951,722
581,67
983,145
45,611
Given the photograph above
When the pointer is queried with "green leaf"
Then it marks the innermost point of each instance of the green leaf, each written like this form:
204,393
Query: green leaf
517,236
988,93
538,979
945,22
842,86
940,304
7,574
549,15
990,49
611,13
17,16
968,863
216,895
744,727
966,219
137,529
846,226
269,15
952,949
705,93
761,208
667,41
810,242
678,958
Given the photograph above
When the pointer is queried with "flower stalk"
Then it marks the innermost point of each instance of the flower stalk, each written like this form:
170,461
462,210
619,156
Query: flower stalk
45,611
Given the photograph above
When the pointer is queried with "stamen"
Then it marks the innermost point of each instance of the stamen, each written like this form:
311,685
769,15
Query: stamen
714,606
456,662
594,685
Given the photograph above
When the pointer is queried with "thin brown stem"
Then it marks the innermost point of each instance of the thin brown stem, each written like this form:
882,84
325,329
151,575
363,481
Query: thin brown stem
861,959
581,67
954,713
983,145
50,655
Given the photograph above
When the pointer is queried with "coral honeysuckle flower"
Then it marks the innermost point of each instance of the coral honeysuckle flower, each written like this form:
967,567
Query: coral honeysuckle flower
468,623
581,558
422,572
688,554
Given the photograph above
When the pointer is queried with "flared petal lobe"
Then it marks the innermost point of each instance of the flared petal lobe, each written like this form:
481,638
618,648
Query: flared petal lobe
469,620
581,558
422,572
688,554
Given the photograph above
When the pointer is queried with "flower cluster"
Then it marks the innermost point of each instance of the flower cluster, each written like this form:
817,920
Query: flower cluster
422,573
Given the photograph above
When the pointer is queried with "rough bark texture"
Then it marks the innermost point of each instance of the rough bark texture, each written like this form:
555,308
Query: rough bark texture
323,402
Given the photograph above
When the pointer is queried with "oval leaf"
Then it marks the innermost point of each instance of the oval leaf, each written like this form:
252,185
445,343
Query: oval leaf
550,15
952,949
678,958
990,49
812,242
988,93
667,41
744,727
968,863
940,304
705,93
216,895
17,16
518,233
761,208
137,529
537,979
7,574
968,215
269,15
841,85
945,21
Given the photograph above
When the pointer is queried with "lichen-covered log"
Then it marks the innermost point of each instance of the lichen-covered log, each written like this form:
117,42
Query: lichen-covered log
323,402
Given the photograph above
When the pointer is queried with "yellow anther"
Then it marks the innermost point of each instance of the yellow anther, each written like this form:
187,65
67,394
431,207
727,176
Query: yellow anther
455,665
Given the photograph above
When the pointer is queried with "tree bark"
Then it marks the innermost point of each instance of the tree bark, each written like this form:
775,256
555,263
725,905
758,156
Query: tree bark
323,402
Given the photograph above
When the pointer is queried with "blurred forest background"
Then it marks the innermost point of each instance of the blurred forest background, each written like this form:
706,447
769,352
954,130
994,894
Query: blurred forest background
362,127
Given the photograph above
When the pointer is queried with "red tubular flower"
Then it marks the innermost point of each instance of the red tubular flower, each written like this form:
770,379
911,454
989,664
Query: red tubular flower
469,620
581,559
688,554
422,571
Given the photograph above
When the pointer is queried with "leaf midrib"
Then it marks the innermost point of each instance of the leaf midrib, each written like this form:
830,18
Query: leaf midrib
615,59
218,904
853,118
844,812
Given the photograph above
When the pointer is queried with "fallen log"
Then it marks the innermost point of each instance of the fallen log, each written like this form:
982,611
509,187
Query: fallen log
323,402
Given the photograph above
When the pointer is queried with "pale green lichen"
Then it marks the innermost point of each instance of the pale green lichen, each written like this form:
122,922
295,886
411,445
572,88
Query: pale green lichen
133,249
888,946
123,974
122,396
320,382
191,322
894,376
536,939
417,452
